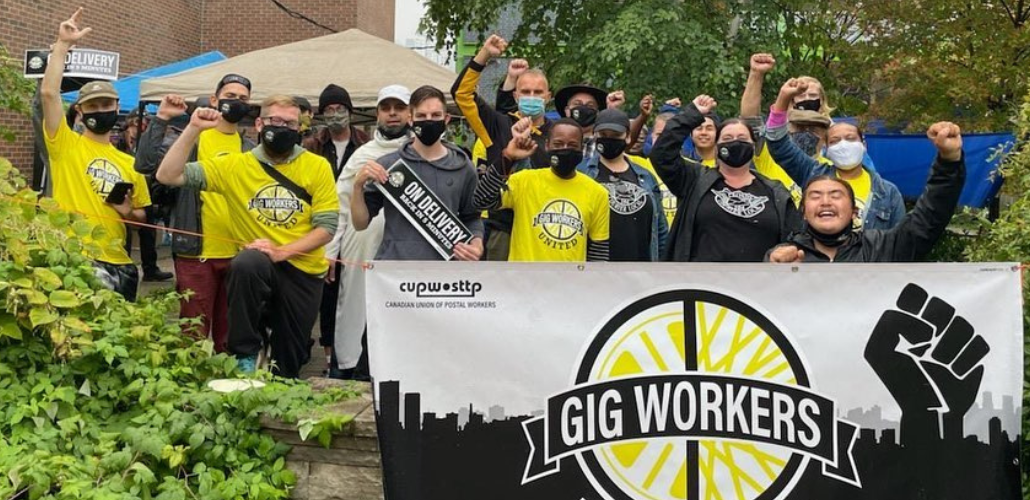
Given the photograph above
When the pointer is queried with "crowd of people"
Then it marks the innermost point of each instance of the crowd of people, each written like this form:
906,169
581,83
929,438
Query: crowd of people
270,237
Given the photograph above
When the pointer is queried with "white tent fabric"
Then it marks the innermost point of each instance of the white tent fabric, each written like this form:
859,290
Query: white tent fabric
355,60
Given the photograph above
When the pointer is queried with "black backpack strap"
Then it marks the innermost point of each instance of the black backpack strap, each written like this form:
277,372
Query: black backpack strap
285,182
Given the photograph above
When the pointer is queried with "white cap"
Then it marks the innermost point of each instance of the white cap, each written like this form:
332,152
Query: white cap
399,92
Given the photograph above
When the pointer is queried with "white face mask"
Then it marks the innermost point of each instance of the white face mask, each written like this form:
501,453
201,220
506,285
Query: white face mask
846,155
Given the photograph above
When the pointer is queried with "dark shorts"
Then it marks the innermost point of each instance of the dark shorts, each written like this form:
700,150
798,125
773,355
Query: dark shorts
122,278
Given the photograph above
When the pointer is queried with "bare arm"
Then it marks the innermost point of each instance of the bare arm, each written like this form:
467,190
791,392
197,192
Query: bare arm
751,99
50,89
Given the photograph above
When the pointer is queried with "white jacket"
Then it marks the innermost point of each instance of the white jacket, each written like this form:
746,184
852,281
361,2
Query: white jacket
355,248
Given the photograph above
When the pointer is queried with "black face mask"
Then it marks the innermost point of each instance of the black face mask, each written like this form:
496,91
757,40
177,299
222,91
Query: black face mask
279,141
233,110
736,153
831,240
100,122
391,133
807,141
565,161
584,115
611,147
429,131
809,105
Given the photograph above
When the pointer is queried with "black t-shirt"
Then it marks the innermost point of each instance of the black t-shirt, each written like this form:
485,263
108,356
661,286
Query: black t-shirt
631,216
735,225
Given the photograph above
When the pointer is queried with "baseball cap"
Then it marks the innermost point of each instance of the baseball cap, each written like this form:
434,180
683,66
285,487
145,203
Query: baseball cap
615,120
232,78
302,102
399,92
805,117
96,90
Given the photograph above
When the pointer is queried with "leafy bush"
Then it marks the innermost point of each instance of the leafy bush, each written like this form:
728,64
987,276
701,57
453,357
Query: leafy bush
105,399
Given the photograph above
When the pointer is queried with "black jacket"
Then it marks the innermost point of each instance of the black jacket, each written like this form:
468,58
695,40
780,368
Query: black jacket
689,180
151,147
914,237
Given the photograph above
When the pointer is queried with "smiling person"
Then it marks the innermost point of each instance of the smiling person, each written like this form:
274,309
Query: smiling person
280,198
86,168
830,209
727,213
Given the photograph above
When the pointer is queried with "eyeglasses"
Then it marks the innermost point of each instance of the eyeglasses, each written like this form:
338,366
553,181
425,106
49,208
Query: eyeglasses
275,121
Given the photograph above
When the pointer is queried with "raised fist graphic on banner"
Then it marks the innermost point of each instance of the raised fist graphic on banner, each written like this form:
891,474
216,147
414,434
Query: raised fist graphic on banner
930,360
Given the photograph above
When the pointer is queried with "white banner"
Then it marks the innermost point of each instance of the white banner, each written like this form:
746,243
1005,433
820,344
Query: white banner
678,381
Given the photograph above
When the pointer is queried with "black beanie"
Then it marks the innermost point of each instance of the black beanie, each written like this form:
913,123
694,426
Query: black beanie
334,94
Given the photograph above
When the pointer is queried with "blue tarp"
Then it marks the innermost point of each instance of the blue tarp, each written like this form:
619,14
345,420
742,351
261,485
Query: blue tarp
128,87
905,160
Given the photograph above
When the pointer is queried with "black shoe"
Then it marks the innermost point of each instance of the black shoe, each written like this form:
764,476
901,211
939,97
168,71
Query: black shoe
157,275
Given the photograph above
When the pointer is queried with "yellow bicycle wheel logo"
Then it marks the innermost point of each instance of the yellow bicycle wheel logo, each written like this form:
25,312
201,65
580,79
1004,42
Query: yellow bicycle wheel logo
684,332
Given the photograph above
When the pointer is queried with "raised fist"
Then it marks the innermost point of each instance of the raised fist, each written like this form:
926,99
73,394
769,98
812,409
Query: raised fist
205,118
517,67
929,359
705,104
69,32
792,88
647,105
947,138
172,106
762,63
521,145
616,99
675,102
495,46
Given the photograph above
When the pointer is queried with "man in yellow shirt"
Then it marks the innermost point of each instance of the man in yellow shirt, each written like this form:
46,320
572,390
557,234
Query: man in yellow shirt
281,199
560,214
86,168
201,263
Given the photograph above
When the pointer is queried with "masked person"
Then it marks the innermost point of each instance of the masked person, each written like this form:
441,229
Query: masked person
561,215
447,172
86,168
878,202
830,209
348,358
727,213
638,230
202,263
581,103
493,127
280,198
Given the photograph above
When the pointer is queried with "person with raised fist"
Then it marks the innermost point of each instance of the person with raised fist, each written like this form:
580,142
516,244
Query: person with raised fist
727,213
280,199
492,126
830,209
86,169
879,202
201,262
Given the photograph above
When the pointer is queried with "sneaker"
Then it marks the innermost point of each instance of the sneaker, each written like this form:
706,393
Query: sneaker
247,364
157,275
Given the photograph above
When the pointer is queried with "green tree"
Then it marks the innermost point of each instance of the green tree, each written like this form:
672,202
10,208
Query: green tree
15,90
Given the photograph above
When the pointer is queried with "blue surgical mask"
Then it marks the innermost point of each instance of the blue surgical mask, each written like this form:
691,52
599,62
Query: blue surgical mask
531,106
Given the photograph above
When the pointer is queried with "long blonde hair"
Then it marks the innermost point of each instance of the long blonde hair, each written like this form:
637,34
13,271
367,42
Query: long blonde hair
825,107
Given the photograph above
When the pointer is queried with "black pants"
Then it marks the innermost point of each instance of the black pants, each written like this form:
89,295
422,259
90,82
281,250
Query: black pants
122,278
277,296
147,241
327,312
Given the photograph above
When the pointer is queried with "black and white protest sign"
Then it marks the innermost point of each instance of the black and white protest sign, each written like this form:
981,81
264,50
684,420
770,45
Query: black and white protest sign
78,63
420,205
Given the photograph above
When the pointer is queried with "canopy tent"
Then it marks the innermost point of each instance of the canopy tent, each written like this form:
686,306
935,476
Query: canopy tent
353,59
128,88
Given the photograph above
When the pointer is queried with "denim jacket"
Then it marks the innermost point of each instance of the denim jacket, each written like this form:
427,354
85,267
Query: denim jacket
659,227
886,207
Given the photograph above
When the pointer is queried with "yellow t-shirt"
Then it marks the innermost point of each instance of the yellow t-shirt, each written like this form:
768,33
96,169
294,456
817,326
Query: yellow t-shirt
84,172
260,208
214,211
863,187
669,201
554,217
765,165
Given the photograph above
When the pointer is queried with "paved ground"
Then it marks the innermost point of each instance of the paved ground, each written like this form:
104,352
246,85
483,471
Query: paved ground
164,261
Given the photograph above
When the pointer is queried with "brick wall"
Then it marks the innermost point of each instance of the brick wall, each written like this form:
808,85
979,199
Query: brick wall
150,33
